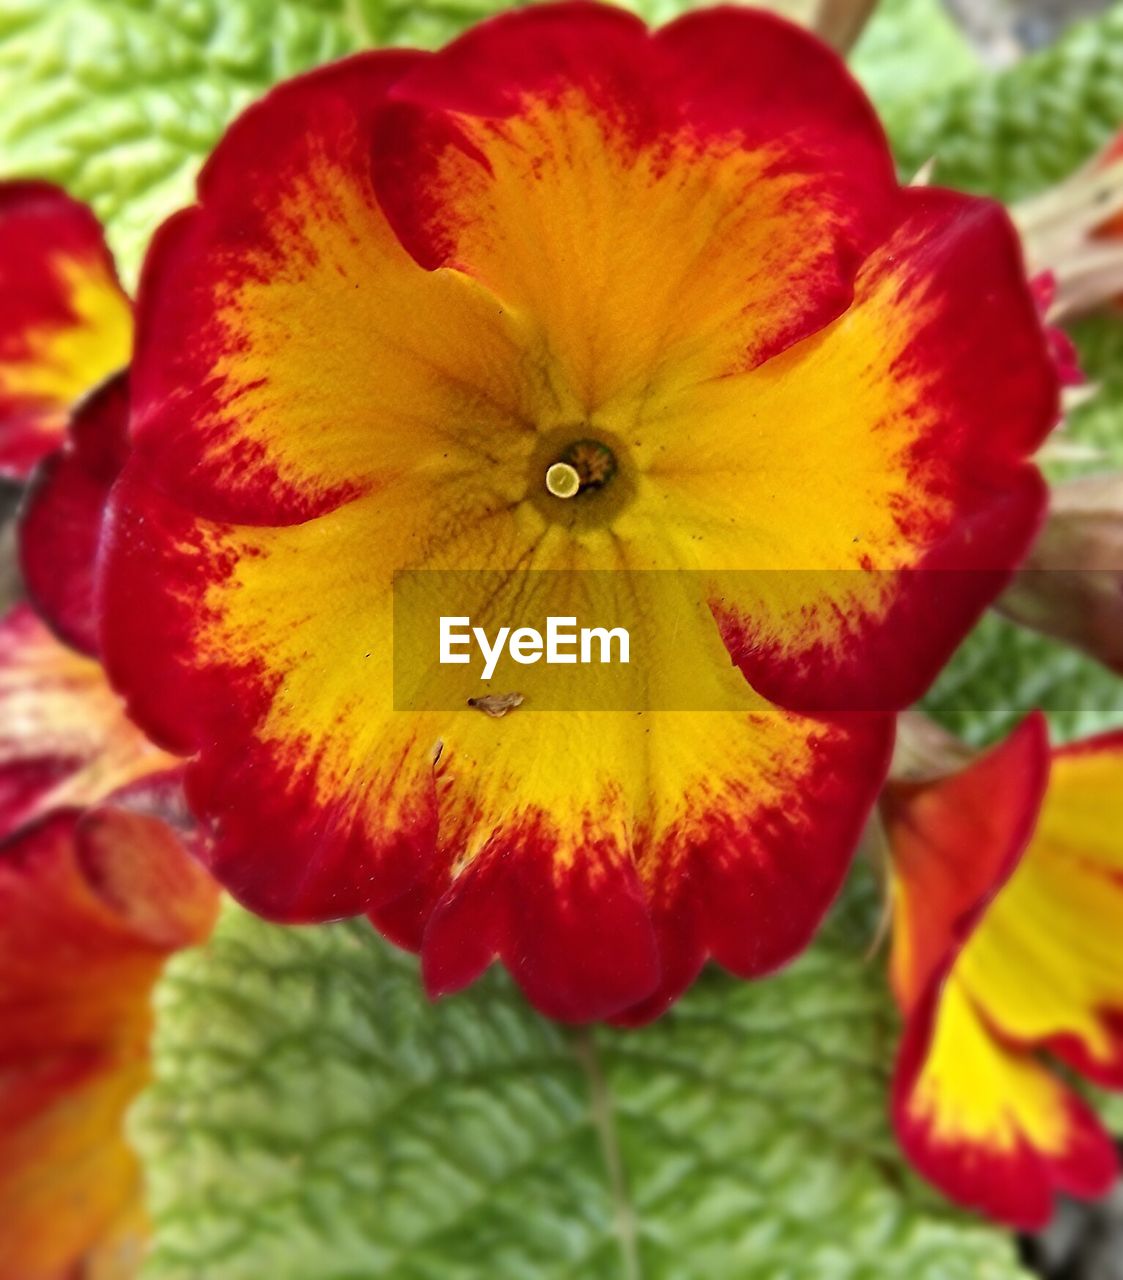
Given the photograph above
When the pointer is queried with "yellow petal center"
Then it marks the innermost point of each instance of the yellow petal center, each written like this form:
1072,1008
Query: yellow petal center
584,465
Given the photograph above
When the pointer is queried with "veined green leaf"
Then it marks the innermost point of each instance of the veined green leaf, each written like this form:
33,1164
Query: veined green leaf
315,1118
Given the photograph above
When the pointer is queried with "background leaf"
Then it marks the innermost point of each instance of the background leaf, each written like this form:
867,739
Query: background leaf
315,1116
119,100
910,52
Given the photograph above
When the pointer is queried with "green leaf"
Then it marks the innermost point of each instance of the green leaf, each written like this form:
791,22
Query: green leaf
315,1116
910,52
1002,672
119,100
1012,133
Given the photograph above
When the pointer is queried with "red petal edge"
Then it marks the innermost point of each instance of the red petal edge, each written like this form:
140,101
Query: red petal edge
954,843
60,521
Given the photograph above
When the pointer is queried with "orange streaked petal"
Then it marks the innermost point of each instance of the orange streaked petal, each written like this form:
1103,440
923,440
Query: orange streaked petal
1008,898
953,842
725,174
83,938
912,466
64,737
988,1124
70,1187
1045,962
575,846
65,323
635,847
405,363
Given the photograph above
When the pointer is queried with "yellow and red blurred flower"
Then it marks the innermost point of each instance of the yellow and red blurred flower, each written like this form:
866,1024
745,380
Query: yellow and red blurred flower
410,284
1007,883
98,885
91,906
65,323
65,741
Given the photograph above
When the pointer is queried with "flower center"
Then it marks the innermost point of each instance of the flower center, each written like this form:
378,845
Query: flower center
577,480
583,466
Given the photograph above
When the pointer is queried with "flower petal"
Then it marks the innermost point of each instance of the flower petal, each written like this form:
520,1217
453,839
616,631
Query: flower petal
638,848
1045,962
988,1124
570,845
65,323
64,737
60,520
954,841
1066,357
291,356
83,937
881,464
725,174
70,1187
232,643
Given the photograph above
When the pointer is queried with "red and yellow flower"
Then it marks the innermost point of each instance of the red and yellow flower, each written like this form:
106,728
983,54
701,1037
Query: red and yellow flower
97,884
97,888
91,906
411,283
65,740
65,323
1007,881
